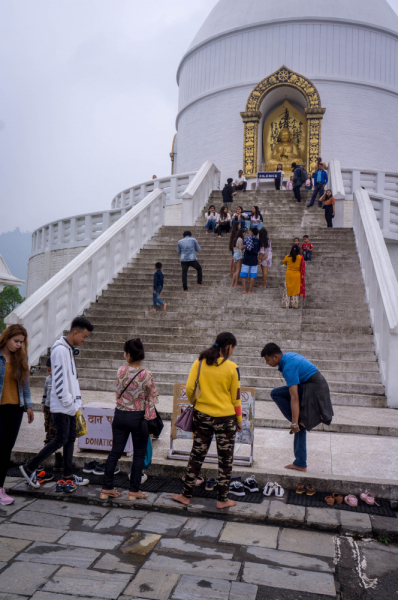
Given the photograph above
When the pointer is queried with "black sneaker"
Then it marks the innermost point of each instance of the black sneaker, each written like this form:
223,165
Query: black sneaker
44,476
89,467
251,484
237,489
100,470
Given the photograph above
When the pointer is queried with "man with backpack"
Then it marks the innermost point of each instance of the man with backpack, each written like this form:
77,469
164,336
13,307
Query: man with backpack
300,176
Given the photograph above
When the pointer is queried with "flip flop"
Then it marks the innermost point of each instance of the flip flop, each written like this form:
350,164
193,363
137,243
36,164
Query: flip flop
310,490
144,496
110,494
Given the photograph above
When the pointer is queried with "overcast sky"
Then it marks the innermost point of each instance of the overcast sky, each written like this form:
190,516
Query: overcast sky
88,100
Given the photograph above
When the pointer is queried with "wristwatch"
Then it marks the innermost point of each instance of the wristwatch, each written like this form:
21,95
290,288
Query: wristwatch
295,425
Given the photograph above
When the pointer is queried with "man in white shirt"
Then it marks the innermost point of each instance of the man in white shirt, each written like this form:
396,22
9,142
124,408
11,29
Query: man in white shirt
240,182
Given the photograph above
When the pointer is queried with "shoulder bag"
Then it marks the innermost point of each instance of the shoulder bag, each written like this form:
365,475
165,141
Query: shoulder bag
185,420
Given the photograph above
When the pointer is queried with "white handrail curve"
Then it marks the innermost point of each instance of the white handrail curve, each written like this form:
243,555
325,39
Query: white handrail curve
52,307
381,289
196,195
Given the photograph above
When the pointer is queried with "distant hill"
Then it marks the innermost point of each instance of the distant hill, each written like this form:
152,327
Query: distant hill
15,249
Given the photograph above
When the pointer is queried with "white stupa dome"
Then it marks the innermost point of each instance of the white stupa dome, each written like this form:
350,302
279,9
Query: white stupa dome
346,49
229,15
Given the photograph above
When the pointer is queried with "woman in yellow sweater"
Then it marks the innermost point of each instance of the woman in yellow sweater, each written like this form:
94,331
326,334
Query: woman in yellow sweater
217,411
295,278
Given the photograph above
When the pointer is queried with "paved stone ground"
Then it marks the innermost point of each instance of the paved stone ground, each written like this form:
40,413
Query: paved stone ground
56,550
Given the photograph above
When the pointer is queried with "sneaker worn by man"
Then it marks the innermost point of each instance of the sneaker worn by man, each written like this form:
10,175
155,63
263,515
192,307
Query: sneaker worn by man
5,498
251,484
100,470
237,488
44,476
30,478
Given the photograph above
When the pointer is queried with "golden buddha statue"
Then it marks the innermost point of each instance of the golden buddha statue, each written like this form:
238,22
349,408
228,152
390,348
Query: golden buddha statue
284,153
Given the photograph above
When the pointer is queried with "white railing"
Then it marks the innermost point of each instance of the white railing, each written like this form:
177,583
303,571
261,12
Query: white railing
82,230
381,289
196,195
74,232
173,187
386,210
383,183
52,307
337,186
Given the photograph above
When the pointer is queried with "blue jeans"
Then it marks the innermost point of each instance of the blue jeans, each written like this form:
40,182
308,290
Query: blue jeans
211,225
156,300
281,397
318,189
307,254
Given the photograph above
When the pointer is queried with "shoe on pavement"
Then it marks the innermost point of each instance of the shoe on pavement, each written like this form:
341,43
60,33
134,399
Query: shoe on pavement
60,486
5,498
144,477
269,488
211,484
251,484
79,481
69,486
31,478
100,470
237,489
44,476
89,467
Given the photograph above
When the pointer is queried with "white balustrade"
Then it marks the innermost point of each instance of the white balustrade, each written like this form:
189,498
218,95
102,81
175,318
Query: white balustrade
381,290
336,184
382,183
50,310
196,195
173,187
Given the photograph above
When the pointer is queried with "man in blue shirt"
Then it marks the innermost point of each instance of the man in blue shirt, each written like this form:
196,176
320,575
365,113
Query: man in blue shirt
187,248
296,371
320,181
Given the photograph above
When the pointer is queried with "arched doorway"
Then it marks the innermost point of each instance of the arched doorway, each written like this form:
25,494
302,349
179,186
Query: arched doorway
284,77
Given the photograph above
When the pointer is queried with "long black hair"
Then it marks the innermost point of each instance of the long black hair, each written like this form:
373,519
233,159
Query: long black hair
234,235
263,237
294,252
211,206
219,348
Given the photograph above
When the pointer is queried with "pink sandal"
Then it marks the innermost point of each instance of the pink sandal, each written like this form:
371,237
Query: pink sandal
351,500
369,499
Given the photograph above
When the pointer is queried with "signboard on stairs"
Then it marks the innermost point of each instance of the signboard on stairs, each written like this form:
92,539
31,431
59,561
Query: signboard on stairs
244,437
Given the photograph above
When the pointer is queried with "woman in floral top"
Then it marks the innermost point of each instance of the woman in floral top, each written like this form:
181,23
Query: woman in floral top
136,397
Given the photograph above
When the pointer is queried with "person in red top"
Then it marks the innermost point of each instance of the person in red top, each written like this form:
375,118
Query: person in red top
307,248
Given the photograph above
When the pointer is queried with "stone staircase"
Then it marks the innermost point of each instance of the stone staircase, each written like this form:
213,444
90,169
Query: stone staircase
332,328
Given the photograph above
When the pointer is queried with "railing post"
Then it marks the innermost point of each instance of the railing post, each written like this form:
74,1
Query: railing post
356,180
380,183
88,235
173,189
385,216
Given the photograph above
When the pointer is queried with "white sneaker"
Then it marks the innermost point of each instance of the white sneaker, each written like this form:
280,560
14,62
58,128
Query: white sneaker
279,491
30,479
79,480
144,478
269,488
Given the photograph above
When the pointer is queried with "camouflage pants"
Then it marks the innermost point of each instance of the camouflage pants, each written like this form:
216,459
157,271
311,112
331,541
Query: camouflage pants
204,427
48,425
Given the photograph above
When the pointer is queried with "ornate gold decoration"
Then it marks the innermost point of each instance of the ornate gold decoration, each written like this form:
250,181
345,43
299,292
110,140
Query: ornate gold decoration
251,117
285,138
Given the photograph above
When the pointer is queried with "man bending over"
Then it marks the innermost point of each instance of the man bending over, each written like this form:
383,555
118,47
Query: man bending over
304,401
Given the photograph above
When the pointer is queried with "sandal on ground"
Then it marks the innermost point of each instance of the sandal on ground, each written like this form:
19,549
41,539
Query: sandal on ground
300,489
369,499
199,481
143,496
310,490
338,498
279,491
330,500
269,488
110,494
351,500
211,484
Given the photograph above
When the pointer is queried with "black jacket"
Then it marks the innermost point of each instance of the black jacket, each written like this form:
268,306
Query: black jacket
315,405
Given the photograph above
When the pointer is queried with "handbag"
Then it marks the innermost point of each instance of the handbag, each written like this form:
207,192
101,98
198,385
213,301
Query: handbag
155,426
185,420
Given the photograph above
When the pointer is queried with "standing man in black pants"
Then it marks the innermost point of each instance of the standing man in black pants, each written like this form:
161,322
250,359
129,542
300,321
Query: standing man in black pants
298,180
187,248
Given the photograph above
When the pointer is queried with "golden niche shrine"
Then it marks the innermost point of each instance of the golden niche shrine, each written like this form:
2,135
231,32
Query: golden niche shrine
288,134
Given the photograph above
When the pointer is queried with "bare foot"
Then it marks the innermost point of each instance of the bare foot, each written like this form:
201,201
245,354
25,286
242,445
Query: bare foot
251,292
243,292
199,284
207,232
135,495
263,287
226,504
296,468
164,306
185,291
153,310
237,285
181,498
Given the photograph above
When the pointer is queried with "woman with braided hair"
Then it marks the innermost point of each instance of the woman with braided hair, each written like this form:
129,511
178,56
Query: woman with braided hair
217,412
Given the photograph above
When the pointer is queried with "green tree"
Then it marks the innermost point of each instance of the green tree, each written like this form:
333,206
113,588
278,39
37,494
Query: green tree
10,298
